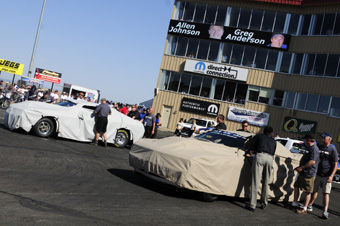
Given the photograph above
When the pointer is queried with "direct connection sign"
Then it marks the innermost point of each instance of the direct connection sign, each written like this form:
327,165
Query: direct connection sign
11,67
47,76
216,70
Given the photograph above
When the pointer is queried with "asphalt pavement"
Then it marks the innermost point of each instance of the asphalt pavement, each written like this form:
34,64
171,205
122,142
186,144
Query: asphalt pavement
63,182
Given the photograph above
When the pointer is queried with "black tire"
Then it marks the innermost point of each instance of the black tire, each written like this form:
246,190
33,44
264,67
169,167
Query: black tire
5,104
206,197
122,138
44,127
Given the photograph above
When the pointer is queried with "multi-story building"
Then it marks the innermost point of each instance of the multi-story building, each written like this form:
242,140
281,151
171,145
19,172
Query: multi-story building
271,62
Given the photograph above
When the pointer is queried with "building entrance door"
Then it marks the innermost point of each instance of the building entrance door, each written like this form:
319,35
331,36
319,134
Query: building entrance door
166,114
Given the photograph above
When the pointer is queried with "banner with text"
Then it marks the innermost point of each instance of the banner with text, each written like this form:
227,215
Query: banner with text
11,67
216,70
299,126
241,36
47,76
253,117
199,107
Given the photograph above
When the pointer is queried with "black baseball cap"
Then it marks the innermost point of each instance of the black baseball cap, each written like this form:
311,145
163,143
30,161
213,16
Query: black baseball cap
308,136
326,134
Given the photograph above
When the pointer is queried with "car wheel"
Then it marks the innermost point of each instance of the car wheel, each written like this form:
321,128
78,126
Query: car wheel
44,127
5,104
206,197
122,138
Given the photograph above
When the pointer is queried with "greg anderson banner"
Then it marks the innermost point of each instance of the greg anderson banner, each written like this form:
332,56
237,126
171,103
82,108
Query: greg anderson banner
230,34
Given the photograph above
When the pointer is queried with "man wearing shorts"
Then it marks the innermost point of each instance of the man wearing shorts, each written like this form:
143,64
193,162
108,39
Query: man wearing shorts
103,110
326,170
307,171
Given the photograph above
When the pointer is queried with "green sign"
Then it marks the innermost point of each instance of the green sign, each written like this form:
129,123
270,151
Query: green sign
298,126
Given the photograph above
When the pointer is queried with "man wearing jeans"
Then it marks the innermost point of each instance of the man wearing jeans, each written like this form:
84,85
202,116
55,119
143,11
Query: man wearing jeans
326,170
264,147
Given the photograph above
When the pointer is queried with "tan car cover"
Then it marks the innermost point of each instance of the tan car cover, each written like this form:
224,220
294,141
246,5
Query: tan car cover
212,168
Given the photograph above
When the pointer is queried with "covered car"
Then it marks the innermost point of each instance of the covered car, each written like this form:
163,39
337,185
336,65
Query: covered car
72,120
212,163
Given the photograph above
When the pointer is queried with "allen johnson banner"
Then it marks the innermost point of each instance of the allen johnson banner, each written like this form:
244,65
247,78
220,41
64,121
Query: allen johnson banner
47,76
230,34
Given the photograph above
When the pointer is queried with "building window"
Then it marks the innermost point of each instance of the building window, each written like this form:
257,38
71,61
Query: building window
241,93
254,93
310,70
272,60
181,46
261,58
256,20
206,87
248,58
332,65
234,17
196,82
174,81
192,48
229,91
188,12
305,24
285,64
293,24
337,25
323,104
199,13
203,49
210,14
213,51
185,83
312,102
237,54
318,24
280,20
301,101
226,52
290,99
268,21
335,107
278,98
219,88
328,24
297,63
244,18
265,95
221,15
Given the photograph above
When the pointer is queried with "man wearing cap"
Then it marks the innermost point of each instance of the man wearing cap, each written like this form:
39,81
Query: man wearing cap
277,41
103,110
134,112
47,98
307,172
245,126
326,170
264,147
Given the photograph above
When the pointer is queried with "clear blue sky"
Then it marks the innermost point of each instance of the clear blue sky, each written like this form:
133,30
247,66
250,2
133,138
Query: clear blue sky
113,46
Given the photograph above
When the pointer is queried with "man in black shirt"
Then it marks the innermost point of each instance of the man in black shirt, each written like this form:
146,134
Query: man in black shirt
220,123
134,113
264,147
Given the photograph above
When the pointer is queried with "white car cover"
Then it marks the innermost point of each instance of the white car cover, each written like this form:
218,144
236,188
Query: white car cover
211,168
74,122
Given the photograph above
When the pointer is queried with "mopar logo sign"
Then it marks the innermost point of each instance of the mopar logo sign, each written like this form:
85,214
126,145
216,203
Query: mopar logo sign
200,66
199,107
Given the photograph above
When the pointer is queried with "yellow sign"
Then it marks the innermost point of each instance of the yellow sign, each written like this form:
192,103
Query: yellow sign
11,67
339,137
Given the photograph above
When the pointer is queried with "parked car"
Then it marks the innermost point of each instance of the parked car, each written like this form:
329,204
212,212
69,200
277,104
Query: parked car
295,146
72,120
212,163
202,126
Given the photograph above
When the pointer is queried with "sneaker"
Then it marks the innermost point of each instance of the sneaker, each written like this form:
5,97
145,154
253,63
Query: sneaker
249,208
310,208
325,215
263,206
94,143
294,205
303,211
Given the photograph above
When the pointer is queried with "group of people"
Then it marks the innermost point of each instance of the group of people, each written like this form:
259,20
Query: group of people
146,116
32,93
317,168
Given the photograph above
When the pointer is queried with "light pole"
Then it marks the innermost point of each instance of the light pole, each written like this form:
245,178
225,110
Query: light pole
30,69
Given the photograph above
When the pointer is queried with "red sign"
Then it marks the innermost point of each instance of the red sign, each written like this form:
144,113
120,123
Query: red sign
47,75
47,78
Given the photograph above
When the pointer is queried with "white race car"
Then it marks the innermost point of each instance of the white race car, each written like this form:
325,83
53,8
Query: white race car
72,120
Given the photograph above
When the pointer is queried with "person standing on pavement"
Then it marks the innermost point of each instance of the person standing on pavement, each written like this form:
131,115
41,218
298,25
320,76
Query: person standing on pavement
158,124
193,128
307,171
245,126
134,114
264,147
326,170
149,123
103,110
220,122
